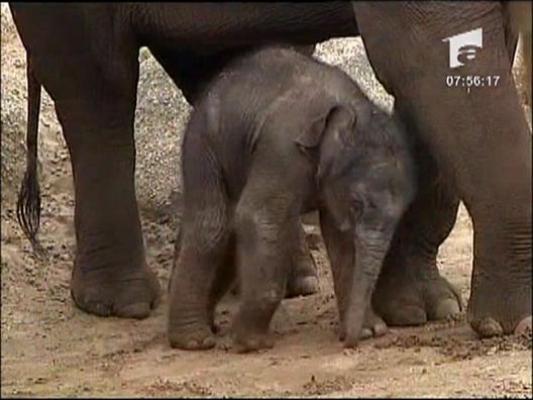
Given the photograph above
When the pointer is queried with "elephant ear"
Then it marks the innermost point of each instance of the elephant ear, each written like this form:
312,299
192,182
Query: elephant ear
329,134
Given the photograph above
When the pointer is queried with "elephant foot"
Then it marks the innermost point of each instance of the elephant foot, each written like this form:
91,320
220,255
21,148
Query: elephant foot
302,286
124,294
200,338
491,315
246,343
487,327
402,299
303,281
373,326
524,327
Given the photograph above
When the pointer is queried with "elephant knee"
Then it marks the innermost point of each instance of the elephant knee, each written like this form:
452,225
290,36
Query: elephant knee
208,229
255,223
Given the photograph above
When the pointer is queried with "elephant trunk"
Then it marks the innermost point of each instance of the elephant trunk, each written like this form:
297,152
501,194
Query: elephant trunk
369,256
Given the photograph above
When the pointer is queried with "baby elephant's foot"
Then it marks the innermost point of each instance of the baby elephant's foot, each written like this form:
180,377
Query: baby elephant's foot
373,326
200,338
250,331
303,281
245,343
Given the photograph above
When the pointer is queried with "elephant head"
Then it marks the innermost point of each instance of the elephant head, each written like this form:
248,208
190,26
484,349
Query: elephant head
365,180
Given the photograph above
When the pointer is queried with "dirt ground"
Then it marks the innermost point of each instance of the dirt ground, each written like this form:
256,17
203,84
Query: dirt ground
50,348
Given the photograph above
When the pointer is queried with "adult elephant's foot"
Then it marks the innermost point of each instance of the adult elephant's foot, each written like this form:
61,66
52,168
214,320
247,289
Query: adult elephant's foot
119,293
494,315
414,296
489,326
524,326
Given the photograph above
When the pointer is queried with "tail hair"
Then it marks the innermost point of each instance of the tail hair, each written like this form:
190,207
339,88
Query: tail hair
29,198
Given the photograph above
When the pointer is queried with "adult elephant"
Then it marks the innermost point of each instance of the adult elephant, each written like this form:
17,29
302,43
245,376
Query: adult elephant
86,56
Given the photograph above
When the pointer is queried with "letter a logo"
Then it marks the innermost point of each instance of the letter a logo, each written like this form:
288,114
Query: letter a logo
464,47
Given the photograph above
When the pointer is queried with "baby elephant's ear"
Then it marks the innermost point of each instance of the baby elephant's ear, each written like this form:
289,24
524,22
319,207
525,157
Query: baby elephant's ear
338,121
339,135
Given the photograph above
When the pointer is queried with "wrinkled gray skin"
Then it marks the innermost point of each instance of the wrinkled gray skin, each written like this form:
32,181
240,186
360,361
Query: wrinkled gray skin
280,134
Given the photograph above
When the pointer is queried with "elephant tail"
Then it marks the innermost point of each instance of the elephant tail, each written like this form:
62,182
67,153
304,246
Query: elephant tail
29,198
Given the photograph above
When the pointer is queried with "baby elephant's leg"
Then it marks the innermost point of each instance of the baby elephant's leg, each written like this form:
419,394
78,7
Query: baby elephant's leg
194,282
303,278
200,273
266,239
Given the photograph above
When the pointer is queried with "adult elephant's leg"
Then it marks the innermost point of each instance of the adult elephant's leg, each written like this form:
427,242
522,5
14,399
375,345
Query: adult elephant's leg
110,276
479,138
89,66
410,290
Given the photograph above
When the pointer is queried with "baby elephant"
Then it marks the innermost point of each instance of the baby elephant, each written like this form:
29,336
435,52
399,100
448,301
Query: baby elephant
279,134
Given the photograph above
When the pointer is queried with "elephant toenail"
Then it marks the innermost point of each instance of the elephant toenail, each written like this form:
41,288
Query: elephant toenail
380,330
366,333
524,326
446,308
208,342
488,327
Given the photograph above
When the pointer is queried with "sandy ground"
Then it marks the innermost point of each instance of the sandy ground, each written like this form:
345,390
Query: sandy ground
51,348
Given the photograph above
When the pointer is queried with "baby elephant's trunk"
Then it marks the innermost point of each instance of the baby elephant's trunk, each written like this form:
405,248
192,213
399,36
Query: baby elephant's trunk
29,200
369,257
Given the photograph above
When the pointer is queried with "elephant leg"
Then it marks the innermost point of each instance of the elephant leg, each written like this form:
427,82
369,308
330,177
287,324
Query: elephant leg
303,275
92,74
410,290
266,223
479,138
110,275
198,281
264,255
303,279
203,260
224,281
